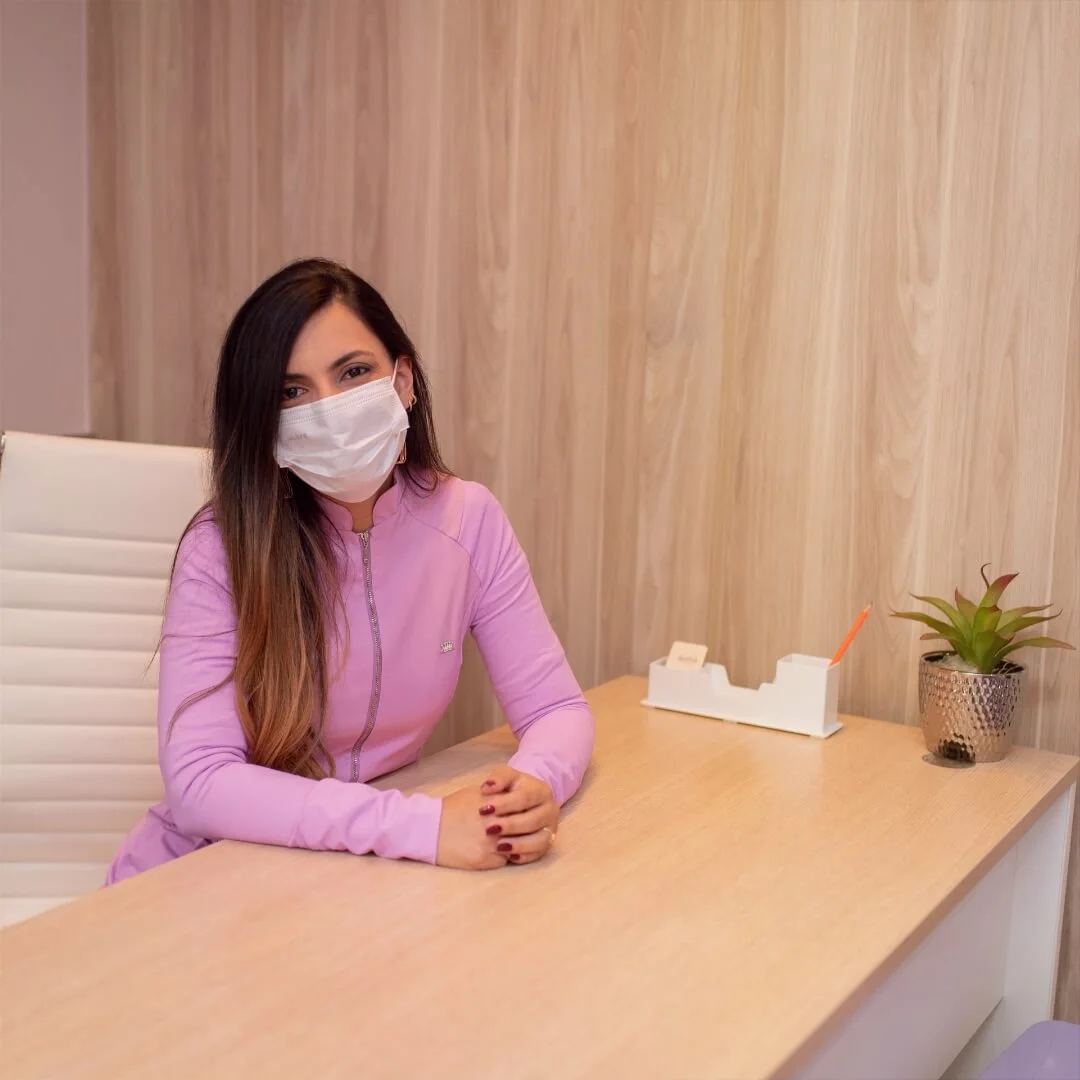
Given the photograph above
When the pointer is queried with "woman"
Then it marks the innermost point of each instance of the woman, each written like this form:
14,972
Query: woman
318,604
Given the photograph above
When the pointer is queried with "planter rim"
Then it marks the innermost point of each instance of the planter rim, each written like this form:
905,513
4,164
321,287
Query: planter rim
1011,667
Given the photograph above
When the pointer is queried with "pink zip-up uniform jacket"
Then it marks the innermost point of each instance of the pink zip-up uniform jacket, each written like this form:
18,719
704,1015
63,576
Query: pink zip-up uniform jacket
431,569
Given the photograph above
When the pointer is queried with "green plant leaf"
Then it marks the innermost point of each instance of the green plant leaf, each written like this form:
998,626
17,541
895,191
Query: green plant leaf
986,618
993,655
1022,622
963,647
995,588
952,643
941,631
1036,643
966,653
1025,609
942,628
944,606
986,646
966,608
1025,623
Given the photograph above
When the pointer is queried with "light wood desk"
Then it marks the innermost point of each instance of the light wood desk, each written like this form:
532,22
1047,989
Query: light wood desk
723,902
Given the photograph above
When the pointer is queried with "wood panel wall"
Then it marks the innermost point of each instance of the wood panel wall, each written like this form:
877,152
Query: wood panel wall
750,312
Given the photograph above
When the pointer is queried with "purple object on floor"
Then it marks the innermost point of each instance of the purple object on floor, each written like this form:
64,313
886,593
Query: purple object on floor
1047,1051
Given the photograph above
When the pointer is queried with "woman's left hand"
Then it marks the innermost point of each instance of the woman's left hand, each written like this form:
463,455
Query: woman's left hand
523,811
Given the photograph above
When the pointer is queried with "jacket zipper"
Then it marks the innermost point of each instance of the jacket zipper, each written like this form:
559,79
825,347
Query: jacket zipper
376,674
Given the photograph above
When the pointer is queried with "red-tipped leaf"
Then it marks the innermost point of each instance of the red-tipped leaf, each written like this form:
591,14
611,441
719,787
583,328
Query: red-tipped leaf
965,607
995,589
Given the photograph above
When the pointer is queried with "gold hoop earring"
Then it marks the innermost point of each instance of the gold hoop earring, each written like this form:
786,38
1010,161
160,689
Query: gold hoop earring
408,408
404,453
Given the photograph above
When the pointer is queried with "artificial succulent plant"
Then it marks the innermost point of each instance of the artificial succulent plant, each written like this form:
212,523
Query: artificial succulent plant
982,636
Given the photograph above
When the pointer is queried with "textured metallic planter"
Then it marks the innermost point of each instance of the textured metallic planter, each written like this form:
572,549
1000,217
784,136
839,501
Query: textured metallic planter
967,716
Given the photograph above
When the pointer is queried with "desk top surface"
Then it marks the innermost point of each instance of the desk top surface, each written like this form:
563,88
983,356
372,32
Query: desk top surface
720,899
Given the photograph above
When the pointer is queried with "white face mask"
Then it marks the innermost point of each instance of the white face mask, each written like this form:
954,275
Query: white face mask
345,446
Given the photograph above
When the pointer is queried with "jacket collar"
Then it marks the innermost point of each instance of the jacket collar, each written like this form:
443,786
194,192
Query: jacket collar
386,506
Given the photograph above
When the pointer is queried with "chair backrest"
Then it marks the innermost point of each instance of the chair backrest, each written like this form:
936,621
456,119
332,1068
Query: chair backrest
88,530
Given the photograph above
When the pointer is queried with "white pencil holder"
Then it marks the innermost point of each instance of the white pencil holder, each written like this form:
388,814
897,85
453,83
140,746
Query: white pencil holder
802,698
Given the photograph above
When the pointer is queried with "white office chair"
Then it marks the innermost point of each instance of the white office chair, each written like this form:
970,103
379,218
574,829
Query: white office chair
87,535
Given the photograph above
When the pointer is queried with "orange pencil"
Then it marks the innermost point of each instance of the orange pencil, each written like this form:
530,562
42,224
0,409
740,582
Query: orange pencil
851,635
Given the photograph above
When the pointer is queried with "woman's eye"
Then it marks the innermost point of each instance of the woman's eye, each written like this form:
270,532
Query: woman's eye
355,372
291,393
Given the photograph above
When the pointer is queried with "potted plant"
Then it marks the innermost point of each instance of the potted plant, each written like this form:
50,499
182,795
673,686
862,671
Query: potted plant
969,692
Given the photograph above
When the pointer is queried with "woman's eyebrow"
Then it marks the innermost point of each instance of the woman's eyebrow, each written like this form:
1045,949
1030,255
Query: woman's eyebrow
341,361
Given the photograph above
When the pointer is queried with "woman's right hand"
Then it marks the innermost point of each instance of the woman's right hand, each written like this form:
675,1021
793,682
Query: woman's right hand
464,842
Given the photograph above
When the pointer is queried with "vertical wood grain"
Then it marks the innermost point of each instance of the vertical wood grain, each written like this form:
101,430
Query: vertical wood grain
637,132
749,312
682,398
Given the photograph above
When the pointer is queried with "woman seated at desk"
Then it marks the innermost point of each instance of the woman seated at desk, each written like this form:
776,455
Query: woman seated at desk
318,605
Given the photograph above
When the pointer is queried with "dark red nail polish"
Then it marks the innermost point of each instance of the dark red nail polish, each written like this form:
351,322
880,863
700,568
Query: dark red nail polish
515,858
494,830
486,811
504,847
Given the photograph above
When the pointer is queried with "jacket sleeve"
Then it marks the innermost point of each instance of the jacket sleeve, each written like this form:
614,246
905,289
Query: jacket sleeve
210,787
525,661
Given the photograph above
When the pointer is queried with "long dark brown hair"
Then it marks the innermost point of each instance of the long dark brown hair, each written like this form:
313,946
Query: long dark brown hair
279,544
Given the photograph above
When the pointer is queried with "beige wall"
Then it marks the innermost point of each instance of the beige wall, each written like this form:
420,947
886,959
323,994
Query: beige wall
44,241
749,312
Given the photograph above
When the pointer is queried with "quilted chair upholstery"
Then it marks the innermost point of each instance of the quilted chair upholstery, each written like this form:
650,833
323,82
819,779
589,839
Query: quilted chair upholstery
87,535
